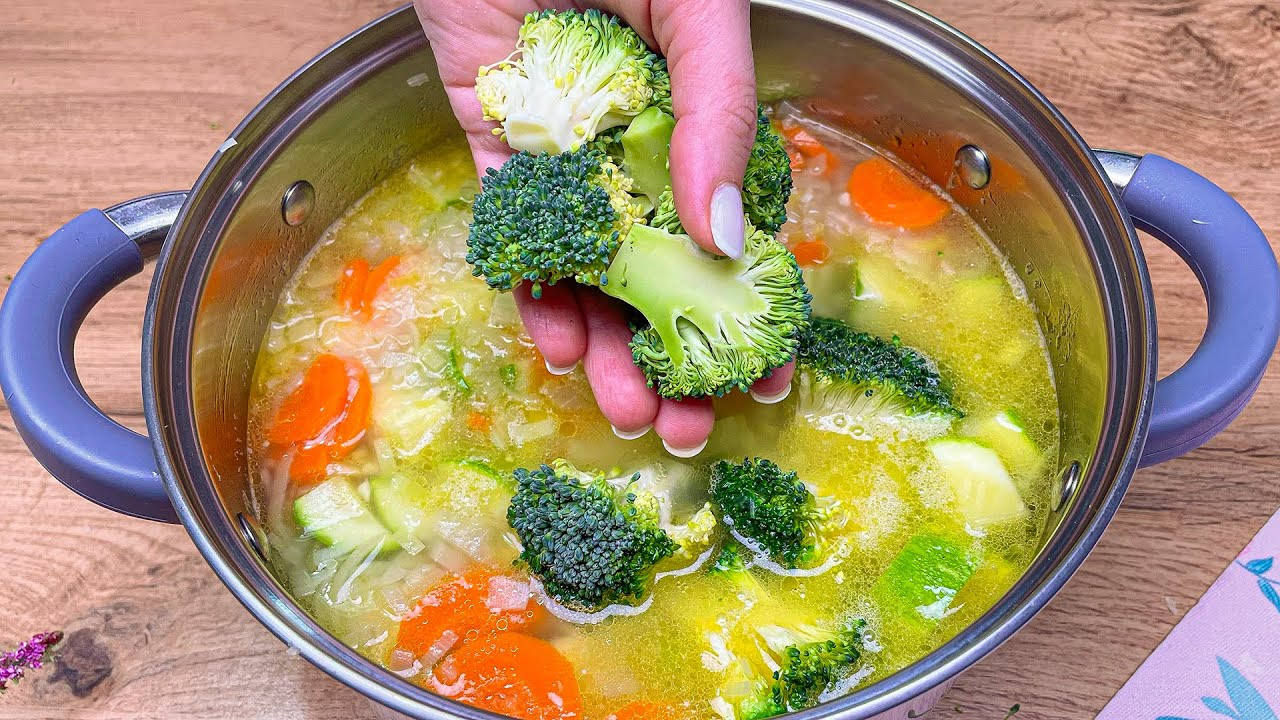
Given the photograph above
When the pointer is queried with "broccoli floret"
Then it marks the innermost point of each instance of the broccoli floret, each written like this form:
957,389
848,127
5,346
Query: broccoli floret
714,324
806,662
693,536
729,562
811,660
846,377
543,218
591,543
572,75
662,87
773,511
766,187
664,214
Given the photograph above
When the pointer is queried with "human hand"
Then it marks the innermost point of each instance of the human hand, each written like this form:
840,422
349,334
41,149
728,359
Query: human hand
708,49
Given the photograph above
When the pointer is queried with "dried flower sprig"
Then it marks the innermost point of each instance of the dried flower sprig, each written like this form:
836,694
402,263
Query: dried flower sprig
30,655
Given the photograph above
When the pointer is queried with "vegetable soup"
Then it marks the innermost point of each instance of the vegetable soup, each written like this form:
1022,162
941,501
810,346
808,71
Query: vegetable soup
404,430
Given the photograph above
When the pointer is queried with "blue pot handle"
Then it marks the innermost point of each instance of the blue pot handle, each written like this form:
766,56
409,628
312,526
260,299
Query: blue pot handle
1237,269
46,302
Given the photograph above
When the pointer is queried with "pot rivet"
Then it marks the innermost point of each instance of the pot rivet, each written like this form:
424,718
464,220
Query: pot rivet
253,534
298,201
973,166
1064,486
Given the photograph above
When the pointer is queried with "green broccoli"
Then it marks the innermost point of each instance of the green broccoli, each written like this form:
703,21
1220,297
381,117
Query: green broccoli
646,152
592,544
693,536
729,562
766,187
572,75
643,151
544,218
772,511
713,323
806,663
845,377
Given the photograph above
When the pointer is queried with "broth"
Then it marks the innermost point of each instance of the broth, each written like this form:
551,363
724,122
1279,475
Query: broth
457,389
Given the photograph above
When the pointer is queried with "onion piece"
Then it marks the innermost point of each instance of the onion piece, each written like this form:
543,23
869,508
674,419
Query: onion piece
450,558
506,594
440,648
400,659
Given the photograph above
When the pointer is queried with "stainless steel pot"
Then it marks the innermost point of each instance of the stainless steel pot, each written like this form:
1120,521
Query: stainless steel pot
1063,214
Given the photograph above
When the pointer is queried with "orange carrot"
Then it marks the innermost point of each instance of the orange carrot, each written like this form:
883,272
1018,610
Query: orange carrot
460,605
350,289
478,421
359,285
889,197
512,674
811,252
314,404
324,418
377,277
810,147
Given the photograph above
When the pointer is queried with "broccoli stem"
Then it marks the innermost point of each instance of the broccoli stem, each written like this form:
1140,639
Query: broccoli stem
646,147
682,290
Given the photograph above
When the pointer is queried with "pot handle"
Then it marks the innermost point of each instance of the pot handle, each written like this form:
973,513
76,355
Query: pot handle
46,302
1237,269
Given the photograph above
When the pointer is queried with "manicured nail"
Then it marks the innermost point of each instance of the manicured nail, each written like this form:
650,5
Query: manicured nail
728,231
774,398
557,370
636,435
686,453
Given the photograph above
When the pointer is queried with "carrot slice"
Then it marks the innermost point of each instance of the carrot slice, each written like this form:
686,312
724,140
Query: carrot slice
889,197
377,277
641,710
309,465
325,417
461,605
359,285
314,404
478,421
809,146
356,416
513,674
811,252
351,285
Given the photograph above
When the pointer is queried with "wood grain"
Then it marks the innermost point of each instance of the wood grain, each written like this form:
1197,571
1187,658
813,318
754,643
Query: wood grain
104,101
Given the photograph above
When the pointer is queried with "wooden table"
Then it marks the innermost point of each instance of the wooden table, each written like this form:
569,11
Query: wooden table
100,102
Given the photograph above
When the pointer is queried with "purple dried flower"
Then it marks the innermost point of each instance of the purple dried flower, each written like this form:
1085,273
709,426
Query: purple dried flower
30,655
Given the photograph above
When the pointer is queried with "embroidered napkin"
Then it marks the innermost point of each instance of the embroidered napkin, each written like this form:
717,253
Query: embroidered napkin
1223,659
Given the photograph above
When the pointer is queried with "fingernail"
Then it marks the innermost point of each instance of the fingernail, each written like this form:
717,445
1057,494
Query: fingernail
728,231
685,453
636,435
774,398
557,370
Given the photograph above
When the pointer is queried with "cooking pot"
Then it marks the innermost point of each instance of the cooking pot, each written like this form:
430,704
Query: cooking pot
1064,216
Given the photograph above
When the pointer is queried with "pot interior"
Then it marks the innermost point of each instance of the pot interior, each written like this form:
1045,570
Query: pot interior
888,73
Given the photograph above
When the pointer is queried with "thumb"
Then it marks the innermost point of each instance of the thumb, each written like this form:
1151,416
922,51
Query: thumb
713,94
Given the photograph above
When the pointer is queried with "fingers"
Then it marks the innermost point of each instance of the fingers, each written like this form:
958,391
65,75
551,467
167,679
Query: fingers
555,323
708,50
776,387
619,386
684,425
465,36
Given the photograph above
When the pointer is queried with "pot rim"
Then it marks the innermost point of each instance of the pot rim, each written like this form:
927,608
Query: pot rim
1117,453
